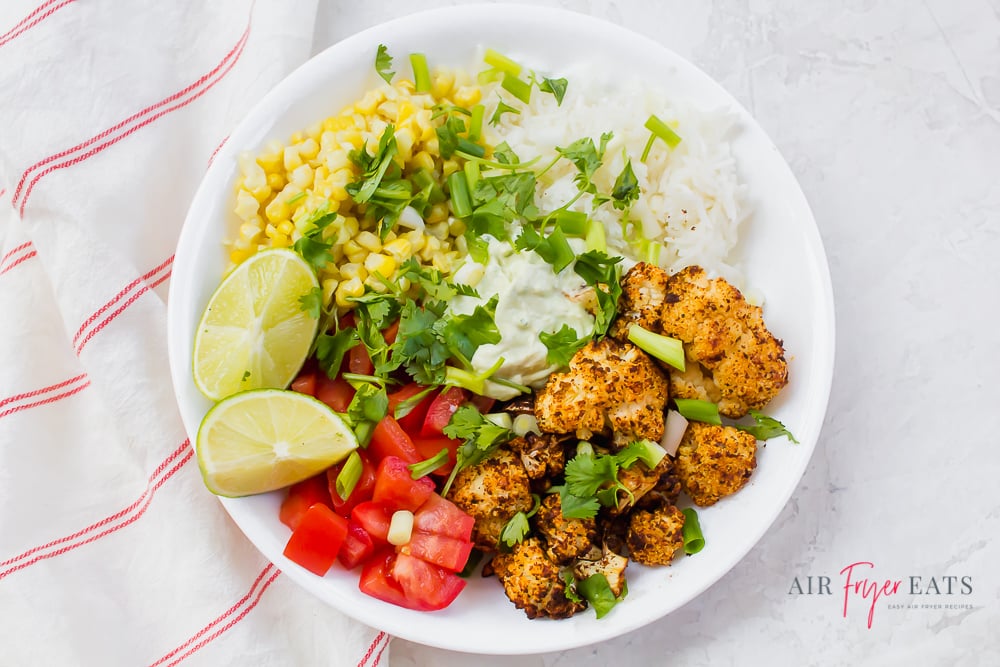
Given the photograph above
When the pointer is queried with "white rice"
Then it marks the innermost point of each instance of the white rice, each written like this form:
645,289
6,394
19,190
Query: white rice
691,198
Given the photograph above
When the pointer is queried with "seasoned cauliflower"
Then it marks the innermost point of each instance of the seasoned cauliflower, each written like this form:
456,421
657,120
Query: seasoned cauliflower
733,359
715,461
655,536
565,539
492,492
542,455
531,581
639,480
610,386
606,562
667,489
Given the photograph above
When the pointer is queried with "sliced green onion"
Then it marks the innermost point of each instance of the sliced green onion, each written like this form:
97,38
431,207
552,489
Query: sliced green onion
348,476
354,379
406,406
461,204
584,448
488,76
573,223
427,466
476,122
425,180
516,87
660,130
693,539
469,148
493,164
596,238
501,62
666,349
562,252
421,74
647,451
525,424
653,250
471,170
501,419
698,410
296,198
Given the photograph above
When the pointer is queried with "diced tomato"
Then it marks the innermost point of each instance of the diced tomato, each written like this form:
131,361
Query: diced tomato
396,488
429,447
442,517
483,403
362,490
358,360
374,518
389,439
426,586
335,393
305,383
390,332
357,547
315,542
441,409
413,420
376,579
447,552
301,497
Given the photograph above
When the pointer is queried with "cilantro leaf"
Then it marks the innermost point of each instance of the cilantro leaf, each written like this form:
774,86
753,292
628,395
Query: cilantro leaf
374,166
383,61
504,154
555,86
481,438
561,345
312,247
766,427
448,135
583,154
465,333
626,190
502,108
370,404
330,349
596,590
515,530
417,346
603,273
575,507
567,577
312,302
585,474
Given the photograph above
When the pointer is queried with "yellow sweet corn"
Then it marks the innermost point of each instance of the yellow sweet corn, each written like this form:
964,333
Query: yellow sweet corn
379,263
353,287
368,241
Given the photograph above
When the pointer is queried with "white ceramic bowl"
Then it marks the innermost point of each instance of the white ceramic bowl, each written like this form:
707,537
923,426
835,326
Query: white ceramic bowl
783,257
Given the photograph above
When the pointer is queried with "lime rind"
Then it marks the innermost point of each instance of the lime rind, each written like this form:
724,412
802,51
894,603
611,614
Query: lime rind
261,440
253,333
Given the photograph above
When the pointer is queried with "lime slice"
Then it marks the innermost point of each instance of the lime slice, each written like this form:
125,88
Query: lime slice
265,439
254,333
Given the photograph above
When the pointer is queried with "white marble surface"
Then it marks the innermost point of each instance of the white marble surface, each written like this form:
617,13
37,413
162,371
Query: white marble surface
889,114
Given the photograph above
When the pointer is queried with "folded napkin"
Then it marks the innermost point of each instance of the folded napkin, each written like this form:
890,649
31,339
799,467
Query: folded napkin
112,552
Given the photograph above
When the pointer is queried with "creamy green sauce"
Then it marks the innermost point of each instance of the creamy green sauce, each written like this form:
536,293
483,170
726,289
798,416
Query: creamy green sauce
531,299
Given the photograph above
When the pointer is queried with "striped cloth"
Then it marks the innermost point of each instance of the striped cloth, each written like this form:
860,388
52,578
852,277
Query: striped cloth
111,550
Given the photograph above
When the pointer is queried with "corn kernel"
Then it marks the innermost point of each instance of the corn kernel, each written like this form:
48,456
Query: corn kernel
271,162
424,124
249,231
276,181
417,240
442,83
379,263
291,158
296,138
237,256
404,143
437,213
405,86
351,247
423,160
449,167
337,160
399,249
388,110
456,226
353,270
301,177
281,242
349,229
466,96
368,241
246,205
286,227
439,230
277,210
329,288
367,104
347,289
308,148
442,262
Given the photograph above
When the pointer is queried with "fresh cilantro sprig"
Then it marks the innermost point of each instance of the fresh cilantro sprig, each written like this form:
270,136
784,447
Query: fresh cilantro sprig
312,246
481,437
383,61
766,427
591,480
595,590
562,345
516,529
381,185
603,273
368,407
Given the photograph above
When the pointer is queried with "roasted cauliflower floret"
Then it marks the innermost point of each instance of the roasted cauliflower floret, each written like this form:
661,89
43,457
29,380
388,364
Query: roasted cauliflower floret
606,562
532,582
492,492
715,461
610,386
733,359
566,539
655,536
667,489
542,455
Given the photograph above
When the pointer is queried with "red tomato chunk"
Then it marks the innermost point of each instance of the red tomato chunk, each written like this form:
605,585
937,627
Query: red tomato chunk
357,548
301,497
441,409
396,488
362,490
315,542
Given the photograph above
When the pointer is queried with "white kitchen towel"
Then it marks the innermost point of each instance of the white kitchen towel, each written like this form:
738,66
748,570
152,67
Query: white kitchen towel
112,552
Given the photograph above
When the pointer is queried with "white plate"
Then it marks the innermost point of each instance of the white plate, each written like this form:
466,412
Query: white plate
783,257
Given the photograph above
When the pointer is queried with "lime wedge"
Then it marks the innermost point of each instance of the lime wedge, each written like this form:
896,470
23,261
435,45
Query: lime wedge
254,333
265,439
